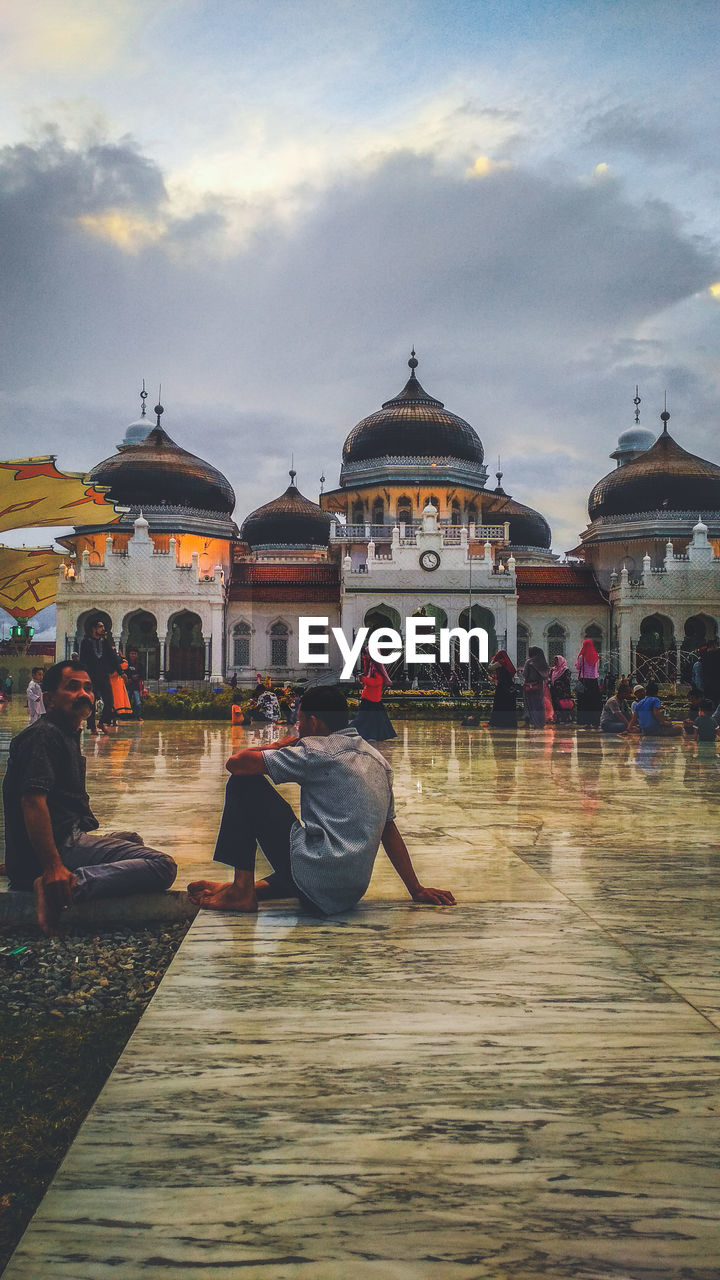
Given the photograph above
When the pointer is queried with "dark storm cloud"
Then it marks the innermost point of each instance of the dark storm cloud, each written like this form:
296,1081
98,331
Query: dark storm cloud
627,127
523,291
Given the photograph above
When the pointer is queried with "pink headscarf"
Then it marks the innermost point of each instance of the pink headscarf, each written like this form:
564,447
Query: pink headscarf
558,667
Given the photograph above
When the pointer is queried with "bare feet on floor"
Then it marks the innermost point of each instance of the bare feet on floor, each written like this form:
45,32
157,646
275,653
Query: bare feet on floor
217,895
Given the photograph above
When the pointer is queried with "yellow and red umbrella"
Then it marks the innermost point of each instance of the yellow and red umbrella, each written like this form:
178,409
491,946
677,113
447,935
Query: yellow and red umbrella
34,493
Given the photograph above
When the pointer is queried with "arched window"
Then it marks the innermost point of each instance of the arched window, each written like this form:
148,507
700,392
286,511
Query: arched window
241,645
472,513
358,513
523,642
594,633
556,636
404,511
455,512
378,511
279,633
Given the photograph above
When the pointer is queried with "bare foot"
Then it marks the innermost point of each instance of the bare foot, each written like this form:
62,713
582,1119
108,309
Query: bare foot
216,895
45,916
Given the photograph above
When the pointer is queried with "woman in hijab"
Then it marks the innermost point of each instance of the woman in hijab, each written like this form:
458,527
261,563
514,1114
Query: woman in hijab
587,665
502,671
560,690
535,675
372,720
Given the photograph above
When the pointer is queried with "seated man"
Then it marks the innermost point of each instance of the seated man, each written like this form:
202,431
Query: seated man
649,717
50,841
346,804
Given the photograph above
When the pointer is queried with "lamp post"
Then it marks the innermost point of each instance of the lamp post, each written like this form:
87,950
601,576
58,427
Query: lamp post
469,684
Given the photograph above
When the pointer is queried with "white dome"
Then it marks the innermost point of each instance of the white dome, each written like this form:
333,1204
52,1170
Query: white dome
636,438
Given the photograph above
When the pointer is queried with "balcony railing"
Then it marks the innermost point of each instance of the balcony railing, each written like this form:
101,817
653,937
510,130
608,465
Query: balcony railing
452,533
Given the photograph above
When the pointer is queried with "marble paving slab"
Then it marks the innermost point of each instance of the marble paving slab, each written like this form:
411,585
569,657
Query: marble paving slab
522,1087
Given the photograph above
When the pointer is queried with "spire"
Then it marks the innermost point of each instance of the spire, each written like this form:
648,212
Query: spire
292,472
143,398
637,402
665,417
412,365
158,407
499,473
322,483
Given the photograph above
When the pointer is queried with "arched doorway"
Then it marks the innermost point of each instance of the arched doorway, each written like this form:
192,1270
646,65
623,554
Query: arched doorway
140,631
478,616
699,629
87,621
186,647
655,654
383,616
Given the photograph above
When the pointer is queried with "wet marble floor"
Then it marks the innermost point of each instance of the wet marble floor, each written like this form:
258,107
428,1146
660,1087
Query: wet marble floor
525,1085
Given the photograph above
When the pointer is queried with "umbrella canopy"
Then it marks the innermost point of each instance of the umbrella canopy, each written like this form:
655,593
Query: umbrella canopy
33,493
28,579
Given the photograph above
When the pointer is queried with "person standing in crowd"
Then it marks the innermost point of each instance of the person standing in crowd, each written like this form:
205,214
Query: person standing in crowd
587,665
535,675
35,704
560,690
372,720
259,686
504,711
134,683
616,714
649,717
99,660
8,687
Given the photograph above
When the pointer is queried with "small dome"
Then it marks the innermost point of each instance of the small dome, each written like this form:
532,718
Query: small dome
700,527
664,478
288,521
136,431
636,438
429,510
527,527
157,472
413,425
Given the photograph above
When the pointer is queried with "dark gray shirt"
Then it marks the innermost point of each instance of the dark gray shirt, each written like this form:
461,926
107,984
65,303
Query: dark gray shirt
45,759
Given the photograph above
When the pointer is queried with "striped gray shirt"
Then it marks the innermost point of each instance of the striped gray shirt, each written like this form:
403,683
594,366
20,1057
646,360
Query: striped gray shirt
346,799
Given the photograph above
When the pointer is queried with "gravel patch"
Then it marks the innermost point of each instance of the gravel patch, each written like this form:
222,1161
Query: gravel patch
80,974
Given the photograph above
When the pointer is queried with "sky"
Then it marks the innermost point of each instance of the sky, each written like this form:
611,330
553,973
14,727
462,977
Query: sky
263,204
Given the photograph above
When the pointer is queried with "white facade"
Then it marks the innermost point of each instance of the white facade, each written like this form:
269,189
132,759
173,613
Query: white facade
143,579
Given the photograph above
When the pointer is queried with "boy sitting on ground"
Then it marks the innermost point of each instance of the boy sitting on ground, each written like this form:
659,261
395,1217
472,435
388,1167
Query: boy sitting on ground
346,806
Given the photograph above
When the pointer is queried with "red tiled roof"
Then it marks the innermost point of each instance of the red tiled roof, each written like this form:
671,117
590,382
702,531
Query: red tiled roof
285,583
557,584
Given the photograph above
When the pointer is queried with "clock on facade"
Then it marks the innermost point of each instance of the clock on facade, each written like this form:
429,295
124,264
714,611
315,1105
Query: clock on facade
429,560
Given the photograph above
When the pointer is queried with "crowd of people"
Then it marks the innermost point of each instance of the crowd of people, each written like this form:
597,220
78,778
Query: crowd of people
550,697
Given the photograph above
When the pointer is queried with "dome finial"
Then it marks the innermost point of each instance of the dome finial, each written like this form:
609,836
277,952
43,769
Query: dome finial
322,482
637,402
499,473
158,407
665,417
143,398
292,472
412,363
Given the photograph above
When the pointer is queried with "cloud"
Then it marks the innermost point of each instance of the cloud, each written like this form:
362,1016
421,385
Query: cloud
534,297
629,127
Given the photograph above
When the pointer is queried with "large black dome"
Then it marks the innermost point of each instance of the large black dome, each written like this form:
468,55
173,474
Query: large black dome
413,425
156,472
664,478
288,521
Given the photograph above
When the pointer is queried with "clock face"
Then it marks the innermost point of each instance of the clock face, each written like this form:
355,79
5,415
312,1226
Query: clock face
429,560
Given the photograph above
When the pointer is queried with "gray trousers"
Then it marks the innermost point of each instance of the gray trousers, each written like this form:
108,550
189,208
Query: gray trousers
115,864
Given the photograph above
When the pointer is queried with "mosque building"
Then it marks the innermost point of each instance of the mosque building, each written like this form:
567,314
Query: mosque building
412,528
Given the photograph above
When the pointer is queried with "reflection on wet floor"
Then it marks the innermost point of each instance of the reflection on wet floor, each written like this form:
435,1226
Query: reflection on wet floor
523,1087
